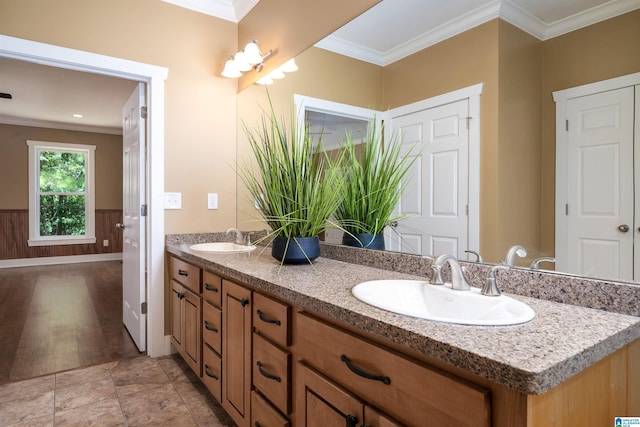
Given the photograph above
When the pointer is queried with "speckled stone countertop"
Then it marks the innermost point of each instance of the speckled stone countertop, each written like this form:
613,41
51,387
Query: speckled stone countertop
534,357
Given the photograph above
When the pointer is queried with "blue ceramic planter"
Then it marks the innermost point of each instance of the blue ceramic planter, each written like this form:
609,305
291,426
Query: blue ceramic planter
364,240
299,250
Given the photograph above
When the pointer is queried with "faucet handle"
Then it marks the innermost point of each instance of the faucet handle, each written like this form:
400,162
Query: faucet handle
437,275
490,287
247,237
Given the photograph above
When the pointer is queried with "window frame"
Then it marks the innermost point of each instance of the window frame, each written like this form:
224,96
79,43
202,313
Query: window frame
35,239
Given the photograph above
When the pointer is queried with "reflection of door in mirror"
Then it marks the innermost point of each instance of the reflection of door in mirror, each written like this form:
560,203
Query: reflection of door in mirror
442,189
595,234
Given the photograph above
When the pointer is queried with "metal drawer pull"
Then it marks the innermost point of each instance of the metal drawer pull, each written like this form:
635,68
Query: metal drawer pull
183,273
361,372
208,287
206,371
352,421
257,424
178,294
267,374
244,302
267,319
208,327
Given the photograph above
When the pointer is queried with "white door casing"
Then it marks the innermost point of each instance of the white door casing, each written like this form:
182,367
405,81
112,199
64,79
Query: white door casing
133,198
595,167
442,193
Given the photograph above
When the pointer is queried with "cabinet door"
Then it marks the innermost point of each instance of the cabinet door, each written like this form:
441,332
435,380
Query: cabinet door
191,338
236,352
177,294
373,418
321,403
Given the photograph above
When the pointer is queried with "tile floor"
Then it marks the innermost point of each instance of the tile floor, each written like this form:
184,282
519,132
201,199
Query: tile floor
139,391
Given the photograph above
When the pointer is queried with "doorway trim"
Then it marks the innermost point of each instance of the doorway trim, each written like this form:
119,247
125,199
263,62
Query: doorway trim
153,76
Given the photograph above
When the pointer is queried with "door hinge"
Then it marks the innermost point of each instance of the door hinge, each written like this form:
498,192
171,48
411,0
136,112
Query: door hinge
468,121
566,125
143,112
143,308
143,210
566,209
467,209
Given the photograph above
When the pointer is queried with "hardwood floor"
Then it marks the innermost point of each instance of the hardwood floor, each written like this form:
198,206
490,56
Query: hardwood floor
55,318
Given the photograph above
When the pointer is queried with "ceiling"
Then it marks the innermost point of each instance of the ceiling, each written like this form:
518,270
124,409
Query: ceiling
48,96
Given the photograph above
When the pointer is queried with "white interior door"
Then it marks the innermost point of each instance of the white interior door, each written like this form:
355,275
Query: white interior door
437,193
600,211
133,242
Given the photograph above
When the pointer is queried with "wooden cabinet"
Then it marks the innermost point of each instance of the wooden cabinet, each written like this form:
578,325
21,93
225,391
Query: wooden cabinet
407,390
186,312
236,352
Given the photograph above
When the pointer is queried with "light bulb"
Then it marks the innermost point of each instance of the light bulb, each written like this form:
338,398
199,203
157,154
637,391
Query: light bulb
252,53
241,61
230,69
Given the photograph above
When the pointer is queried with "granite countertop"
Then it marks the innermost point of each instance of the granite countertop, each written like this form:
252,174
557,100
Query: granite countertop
532,358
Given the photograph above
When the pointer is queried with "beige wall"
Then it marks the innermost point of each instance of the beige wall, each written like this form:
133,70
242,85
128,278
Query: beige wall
200,106
601,51
14,164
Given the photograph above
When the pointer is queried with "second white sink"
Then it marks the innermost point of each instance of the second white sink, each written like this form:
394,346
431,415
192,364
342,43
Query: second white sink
441,303
221,247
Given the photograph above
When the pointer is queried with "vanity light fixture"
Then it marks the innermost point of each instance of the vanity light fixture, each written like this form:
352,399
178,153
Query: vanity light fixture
251,58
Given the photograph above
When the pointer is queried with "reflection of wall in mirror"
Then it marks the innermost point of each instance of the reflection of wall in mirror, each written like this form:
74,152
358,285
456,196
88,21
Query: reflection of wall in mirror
519,73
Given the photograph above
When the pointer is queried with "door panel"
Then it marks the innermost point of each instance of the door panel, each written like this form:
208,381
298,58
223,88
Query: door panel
437,194
133,269
601,194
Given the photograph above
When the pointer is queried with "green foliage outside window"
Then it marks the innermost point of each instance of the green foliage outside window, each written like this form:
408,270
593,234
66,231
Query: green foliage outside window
62,193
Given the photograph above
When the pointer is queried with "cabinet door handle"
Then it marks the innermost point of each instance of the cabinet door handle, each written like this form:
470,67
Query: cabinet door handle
183,273
361,372
257,424
352,421
180,295
208,327
267,319
208,287
267,374
244,302
209,374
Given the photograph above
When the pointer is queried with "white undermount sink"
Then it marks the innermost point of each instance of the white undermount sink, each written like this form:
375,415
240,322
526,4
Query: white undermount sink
221,247
441,303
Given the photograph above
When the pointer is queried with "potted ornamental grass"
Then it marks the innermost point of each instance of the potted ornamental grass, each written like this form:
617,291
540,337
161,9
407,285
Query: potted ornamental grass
295,185
374,176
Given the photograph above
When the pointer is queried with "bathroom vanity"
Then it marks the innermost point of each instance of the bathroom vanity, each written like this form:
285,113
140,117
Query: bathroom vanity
290,346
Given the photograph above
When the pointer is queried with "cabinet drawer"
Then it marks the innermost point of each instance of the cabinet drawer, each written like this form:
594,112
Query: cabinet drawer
212,288
407,390
272,319
185,273
212,372
212,326
264,415
272,373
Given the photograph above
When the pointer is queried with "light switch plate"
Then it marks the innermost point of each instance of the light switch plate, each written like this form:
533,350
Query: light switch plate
173,200
212,201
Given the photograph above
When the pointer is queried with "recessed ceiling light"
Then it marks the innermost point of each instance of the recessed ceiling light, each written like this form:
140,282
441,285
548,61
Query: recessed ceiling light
78,116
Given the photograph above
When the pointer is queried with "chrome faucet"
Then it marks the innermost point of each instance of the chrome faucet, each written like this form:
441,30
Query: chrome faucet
535,265
510,259
458,281
490,287
477,255
238,235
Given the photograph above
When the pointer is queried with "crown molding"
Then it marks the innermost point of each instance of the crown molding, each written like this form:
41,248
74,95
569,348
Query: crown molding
7,120
503,9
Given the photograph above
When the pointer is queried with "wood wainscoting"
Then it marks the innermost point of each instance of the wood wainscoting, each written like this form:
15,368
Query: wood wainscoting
14,234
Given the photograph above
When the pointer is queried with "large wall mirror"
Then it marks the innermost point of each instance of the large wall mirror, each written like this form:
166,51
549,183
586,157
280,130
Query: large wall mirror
517,136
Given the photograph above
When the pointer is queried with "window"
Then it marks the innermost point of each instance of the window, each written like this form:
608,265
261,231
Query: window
61,193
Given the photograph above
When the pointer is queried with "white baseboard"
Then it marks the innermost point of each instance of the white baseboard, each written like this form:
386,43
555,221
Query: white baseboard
27,262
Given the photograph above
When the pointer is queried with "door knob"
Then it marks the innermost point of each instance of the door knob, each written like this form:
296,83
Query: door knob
624,228
121,226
